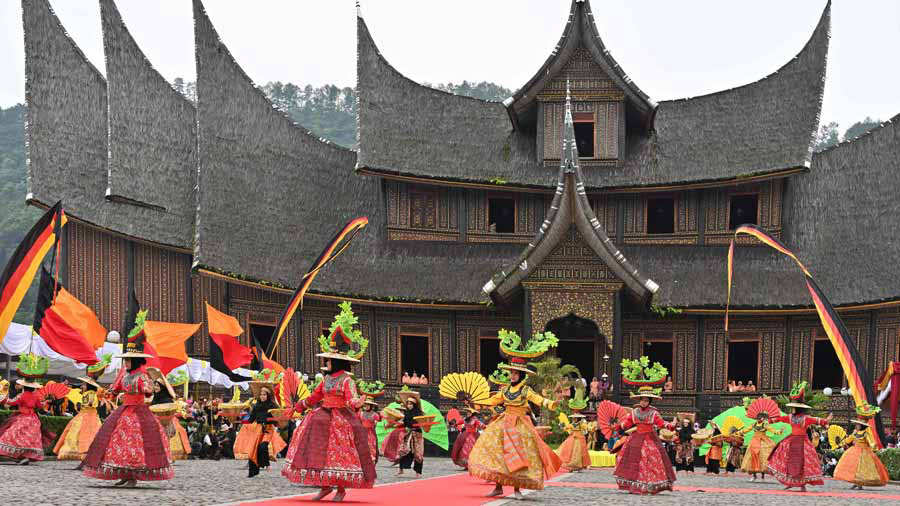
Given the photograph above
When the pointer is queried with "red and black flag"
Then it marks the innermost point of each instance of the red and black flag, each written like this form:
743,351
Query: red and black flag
67,326
335,247
226,353
858,376
22,266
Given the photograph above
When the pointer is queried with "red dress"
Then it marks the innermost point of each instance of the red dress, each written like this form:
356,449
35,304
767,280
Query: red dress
331,446
21,435
465,442
643,467
369,419
131,445
391,444
794,462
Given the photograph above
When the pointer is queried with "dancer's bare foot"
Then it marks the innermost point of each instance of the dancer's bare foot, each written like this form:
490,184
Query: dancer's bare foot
418,475
339,496
400,472
498,490
322,493
517,495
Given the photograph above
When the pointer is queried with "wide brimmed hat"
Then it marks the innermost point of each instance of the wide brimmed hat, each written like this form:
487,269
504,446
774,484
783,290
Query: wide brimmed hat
89,381
666,434
97,370
861,422
405,395
157,375
798,395
689,415
518,364
257,387
345,342
646,391
576,415
798,405
30,384
370,402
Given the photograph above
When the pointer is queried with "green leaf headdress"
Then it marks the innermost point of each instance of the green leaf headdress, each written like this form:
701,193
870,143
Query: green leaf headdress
578,403
499,377
32,366
370,388
345,341
97,370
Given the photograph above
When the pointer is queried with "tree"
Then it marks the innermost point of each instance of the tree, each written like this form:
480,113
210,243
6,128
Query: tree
860,127
827,136
551,376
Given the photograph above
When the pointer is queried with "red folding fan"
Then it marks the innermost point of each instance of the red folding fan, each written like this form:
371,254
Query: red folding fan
763,405
289,386
609,414
53,389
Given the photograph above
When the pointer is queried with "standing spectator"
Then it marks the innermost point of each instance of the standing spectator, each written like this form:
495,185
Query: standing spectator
669,386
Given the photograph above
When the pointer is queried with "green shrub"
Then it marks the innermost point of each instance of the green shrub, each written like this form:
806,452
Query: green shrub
54,424
891,459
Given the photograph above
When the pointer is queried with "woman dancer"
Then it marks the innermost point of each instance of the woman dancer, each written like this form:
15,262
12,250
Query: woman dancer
734,456
131,445
794,462
263,429
391,444
79,433
684,446
462,448
573,452
714,454
509,451
411,451
21,435
859,465
179,445
331,448
369,416
756,460
643,466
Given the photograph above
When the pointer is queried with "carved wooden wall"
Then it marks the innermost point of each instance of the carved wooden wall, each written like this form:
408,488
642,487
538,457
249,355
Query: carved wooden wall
717,204
530,211
161,282
97,272
682,333
420,212
685,226
206,289
887,345
771,335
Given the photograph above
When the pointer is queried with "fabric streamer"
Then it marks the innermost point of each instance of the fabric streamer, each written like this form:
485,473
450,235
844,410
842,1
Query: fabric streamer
854,368
335,247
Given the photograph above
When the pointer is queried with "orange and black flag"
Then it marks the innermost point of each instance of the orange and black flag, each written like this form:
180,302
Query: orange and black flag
226,353
165,341
67,326
858,376
335,247
24,262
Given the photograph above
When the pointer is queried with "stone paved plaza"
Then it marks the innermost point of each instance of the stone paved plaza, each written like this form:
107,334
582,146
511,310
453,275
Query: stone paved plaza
200,482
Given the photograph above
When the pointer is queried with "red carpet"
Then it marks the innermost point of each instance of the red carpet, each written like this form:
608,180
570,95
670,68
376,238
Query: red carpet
458,489
719,490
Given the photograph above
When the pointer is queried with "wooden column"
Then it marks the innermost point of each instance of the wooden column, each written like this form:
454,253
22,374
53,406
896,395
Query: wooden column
701,217
454,356
699,346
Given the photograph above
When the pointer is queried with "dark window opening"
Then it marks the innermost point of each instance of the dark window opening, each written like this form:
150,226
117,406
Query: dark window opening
414,355
662,352
743,362
584,139
578,353
827,370
490,356
262,335
502,215
660,216
744,210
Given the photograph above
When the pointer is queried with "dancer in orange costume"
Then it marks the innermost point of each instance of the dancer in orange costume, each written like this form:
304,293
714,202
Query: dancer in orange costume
859,465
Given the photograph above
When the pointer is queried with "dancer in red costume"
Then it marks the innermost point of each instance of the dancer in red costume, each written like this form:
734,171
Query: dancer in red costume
21,435
390,447
131,446
330,449
369,416
795,462
642,466
466,440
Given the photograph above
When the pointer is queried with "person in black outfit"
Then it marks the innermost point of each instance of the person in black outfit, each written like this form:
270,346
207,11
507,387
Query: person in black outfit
413,440
684,451
260,414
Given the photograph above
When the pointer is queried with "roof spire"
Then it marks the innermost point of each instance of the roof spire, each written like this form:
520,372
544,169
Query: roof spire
569,160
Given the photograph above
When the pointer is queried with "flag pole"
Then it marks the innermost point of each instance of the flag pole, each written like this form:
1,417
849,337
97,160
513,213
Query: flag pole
57,226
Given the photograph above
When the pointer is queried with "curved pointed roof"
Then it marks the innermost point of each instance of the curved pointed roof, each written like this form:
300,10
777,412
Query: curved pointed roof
580,31
152,130
570,207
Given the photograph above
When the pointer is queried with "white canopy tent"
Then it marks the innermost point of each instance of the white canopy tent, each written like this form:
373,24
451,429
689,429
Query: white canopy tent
19,338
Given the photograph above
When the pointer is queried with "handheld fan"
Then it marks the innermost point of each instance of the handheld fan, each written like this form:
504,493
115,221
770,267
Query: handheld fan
468,386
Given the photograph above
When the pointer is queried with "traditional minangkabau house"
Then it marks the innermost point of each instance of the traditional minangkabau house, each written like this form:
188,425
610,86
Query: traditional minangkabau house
610,231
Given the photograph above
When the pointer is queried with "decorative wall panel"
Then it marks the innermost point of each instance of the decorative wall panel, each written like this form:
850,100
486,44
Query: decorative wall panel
530,211
98,272
717,202
424,213
685,227
161,282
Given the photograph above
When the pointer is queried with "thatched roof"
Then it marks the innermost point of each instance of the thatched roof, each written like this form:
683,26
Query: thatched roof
152,131
841,220
66,134
581,31
760,128
569,208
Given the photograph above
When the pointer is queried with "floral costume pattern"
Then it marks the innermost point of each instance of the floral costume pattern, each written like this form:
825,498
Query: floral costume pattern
21,435
643,467
463,445
331,446
794,462
369,419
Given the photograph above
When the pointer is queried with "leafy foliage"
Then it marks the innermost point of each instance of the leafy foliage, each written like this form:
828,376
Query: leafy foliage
32,365
640,370
890,457
551,374
347,321
540,342
499,376
829,134
372,388
139,322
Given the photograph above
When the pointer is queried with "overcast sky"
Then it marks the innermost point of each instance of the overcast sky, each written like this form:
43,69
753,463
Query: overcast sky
671,49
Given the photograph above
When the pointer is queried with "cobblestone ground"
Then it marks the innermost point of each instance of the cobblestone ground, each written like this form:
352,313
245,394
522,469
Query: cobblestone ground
196,482
741,492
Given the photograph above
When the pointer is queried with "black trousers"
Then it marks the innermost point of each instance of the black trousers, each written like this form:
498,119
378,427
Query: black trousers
685,466
262,458
408,461
713,466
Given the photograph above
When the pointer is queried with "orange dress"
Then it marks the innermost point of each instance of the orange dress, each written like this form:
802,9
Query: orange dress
859,464
574,451
79,433
756,460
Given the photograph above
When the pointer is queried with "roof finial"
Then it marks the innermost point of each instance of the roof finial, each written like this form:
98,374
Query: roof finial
358,10
569,158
